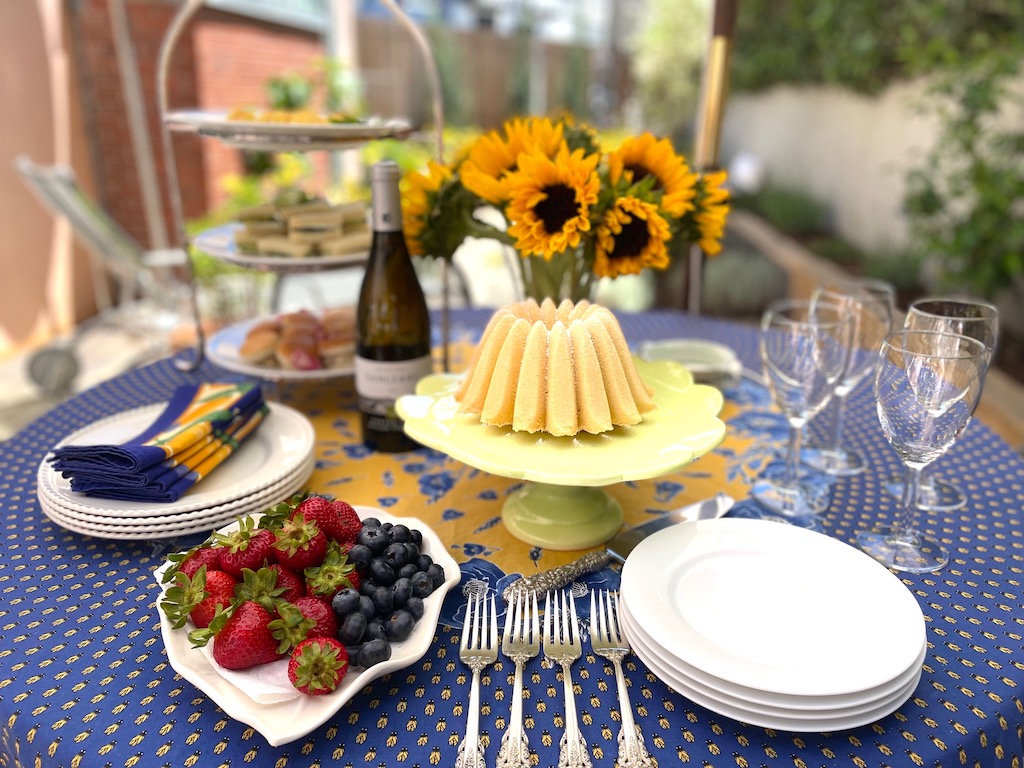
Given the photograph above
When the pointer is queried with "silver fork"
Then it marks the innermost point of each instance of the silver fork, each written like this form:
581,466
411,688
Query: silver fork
520,641
607,640
479,647
562,646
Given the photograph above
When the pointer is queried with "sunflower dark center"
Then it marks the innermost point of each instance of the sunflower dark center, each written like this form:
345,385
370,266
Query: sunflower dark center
641,172
631,242
557,208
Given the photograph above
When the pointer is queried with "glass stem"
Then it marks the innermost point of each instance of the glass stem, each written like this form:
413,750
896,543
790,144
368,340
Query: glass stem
835,443
905,520
792,476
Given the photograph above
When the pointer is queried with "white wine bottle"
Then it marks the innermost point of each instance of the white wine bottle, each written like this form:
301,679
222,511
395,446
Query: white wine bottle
392,321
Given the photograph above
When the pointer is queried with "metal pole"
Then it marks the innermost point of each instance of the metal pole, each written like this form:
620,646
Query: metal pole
709,123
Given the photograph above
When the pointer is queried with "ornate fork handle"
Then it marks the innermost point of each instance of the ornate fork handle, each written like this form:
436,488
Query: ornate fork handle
572,748
515,746
471,750
632,751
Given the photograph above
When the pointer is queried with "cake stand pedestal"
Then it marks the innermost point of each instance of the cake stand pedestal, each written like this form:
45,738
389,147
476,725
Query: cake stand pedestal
563,505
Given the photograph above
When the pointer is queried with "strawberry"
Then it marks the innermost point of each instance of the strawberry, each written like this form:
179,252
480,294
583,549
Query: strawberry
245,640
325,622
247,547
197,597
319,510
202,555
332,575
292,584
306,617
300,544
318,665
220,591
348,522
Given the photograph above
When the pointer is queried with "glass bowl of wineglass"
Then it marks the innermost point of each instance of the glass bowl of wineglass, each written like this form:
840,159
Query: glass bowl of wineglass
926,388
968,317
804,346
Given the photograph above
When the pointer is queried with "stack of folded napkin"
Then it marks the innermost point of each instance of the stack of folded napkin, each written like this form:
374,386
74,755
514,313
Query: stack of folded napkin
201,426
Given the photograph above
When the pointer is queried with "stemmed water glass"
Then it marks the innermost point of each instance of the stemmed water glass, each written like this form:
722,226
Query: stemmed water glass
870,304
926,388
804,345
968,317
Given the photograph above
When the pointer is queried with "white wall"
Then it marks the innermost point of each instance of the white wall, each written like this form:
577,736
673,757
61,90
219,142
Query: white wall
848,151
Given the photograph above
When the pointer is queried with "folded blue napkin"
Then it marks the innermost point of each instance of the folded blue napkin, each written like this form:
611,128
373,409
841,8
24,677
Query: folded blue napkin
201,426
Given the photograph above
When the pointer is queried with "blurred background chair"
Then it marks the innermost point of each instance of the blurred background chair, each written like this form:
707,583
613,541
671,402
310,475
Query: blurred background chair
139,292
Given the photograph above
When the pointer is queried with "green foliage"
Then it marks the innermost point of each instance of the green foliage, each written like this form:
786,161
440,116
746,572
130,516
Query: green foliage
966,201
866,44
787,209
668,53
289,91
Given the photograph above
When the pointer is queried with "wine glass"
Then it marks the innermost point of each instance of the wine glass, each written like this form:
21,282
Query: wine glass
927,386
870,304
968,317
804,345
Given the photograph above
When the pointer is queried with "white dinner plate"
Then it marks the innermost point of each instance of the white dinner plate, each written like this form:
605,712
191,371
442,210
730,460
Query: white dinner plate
792,707
281,444
285,137
773,607
300,475
163,526
187,524
708,361
223,349
796,721
220,243
284,721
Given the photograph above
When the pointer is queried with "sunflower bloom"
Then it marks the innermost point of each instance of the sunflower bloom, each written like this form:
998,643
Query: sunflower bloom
495,155
419,200
550,201
632,235
712,212
645,156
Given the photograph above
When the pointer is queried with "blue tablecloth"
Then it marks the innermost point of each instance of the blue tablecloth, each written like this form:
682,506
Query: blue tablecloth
85,681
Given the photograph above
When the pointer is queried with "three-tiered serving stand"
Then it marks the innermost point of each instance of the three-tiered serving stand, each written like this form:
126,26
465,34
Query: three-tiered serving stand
278,137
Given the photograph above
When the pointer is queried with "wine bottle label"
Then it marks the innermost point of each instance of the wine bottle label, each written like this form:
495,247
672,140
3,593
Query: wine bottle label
386,381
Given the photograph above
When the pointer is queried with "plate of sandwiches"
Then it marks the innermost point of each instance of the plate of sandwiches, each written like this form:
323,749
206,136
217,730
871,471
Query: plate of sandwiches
310,235
293,346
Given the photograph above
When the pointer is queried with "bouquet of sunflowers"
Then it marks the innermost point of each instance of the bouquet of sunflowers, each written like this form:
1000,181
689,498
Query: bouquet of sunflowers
573,211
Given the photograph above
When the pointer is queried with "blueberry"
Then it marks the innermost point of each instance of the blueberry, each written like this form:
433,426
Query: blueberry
416,537
381,574
436,574
374,652
423,562
375,539
360,555
422,585
387,527
400,533
375,631
345,602
399,625
407,570
352,628
366,587
396,555
383,600
412,550
402,591
371,522
414,605
366,607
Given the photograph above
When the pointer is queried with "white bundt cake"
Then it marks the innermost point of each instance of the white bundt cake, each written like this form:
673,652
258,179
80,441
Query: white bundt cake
560,370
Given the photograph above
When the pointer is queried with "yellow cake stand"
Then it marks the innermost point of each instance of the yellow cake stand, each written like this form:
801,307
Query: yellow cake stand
564,506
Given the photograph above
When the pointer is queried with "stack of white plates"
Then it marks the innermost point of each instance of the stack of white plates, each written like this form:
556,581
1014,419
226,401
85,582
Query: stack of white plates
773,625
272,464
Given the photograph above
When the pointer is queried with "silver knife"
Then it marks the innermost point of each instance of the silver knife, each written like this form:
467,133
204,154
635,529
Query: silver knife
619,547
